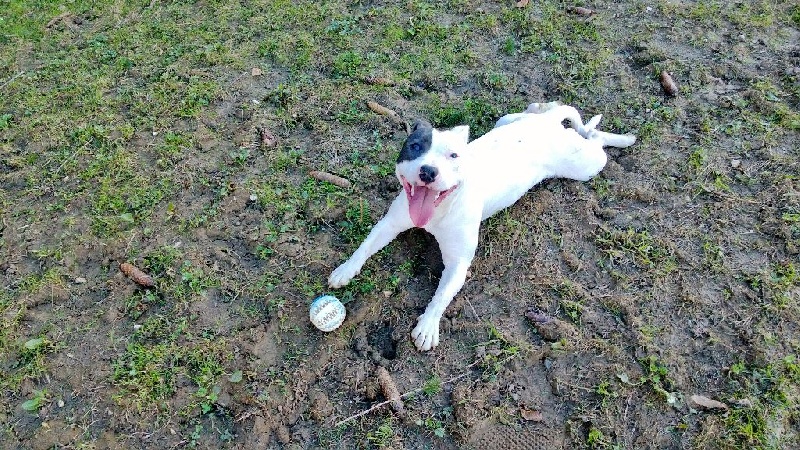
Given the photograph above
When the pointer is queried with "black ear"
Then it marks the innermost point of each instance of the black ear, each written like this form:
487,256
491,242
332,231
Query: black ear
418,141
420,124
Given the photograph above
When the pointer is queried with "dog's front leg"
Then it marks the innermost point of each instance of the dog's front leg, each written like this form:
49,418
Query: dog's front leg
457,254
382,233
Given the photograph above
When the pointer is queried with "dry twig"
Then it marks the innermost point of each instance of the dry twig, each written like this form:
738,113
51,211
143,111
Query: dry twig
19,74
580,10
380,81
414,391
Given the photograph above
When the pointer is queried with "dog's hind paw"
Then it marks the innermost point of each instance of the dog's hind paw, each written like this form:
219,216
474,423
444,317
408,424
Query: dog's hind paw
426,334
342,275
593,122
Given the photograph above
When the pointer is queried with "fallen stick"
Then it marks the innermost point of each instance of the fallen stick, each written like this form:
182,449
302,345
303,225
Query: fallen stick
380,81
580,10
12,79
414,391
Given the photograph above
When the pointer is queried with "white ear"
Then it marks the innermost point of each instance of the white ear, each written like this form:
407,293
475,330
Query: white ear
461,132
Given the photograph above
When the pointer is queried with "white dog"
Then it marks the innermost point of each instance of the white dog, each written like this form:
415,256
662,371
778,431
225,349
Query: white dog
451,185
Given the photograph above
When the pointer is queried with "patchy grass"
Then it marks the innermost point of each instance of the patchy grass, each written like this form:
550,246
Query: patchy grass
765,399
637,247
133,131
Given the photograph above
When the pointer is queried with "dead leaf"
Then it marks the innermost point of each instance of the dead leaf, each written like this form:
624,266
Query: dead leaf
554,330
531,415
55,20
537,316
256,72
706,403
267,138
522,3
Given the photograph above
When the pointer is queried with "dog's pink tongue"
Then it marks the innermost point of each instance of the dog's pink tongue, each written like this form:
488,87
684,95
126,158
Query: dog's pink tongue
420,205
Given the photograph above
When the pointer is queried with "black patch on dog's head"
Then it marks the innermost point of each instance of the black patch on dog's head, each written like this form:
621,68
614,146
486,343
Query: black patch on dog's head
418,142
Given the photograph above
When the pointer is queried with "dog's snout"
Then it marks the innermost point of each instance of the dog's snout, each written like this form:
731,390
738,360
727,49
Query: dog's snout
428,173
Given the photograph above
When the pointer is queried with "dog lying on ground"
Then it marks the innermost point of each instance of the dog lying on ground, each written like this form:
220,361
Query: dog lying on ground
450,186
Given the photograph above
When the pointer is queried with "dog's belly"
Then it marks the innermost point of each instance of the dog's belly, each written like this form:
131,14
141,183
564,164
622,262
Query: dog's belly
510,160
501,177
501,197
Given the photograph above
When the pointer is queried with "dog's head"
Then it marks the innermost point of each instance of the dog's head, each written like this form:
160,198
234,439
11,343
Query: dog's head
428,168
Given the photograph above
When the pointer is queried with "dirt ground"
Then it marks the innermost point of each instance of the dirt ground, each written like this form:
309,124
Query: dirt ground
653,307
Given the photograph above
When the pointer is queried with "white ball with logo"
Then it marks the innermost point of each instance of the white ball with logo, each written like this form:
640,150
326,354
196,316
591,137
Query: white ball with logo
327,313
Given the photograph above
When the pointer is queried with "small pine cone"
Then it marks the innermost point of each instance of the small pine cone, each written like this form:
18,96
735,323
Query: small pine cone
668,84
136,275
390,390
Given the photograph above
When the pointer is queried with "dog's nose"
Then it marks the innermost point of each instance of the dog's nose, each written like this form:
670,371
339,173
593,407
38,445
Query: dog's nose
428,173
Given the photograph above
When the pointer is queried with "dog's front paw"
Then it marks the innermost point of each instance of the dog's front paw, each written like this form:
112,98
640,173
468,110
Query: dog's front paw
426,333
342,275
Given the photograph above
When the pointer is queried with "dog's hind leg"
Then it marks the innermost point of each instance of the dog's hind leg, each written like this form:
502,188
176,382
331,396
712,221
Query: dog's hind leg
589,130
555,109
560,113
587,157
592,124
587,161
509,118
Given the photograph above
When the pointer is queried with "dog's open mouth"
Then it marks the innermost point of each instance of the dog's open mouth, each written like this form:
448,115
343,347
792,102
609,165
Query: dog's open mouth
422,201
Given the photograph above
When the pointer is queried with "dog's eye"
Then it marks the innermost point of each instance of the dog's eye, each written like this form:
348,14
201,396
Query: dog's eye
454,155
